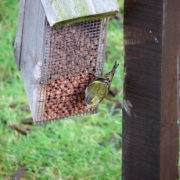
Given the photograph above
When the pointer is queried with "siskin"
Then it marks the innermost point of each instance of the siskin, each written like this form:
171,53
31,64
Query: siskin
97,90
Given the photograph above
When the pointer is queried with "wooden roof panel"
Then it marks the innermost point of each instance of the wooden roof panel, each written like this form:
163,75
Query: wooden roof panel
61,11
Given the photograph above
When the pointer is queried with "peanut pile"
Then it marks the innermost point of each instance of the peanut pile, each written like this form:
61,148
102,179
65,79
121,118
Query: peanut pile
66,96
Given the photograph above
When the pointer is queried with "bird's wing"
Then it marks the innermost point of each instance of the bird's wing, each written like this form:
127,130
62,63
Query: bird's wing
95,92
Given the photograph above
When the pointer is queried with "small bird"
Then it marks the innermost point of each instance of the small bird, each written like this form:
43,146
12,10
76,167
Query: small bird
97,90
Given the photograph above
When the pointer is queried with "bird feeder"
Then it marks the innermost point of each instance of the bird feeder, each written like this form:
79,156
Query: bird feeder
60,49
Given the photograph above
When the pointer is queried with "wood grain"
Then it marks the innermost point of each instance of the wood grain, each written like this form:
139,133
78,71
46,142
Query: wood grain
32,50
18,41
178,54
169,99
60,11
150,134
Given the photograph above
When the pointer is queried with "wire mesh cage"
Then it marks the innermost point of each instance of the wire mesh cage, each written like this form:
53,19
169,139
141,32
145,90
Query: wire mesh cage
73,57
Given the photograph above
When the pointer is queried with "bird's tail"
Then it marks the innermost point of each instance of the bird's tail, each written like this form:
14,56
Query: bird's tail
110,75
115,66
114,69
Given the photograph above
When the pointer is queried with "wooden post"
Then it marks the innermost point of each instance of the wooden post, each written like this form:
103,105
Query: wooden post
150,114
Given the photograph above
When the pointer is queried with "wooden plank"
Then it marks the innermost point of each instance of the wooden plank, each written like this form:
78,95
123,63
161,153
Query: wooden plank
178,43
70,11
150,133
169,99
18,41
32,50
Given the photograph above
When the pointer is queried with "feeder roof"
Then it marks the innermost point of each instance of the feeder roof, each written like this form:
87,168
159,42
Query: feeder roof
68,11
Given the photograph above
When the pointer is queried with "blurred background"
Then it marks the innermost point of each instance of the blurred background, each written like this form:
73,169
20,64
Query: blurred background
86,147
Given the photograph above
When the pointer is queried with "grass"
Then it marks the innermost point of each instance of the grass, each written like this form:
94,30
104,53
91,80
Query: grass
79,148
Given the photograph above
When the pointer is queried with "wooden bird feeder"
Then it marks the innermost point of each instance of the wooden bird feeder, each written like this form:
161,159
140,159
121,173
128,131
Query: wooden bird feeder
60,48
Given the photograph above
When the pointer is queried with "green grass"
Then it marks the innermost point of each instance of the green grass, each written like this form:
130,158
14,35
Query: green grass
68,149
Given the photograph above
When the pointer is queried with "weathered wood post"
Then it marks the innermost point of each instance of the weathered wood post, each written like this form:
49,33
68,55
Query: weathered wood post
150,127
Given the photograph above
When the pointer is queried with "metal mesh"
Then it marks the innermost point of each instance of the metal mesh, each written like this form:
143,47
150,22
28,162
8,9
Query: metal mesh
41,94
75,57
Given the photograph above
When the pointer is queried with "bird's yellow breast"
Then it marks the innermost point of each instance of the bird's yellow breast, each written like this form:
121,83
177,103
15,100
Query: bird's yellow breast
95,93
